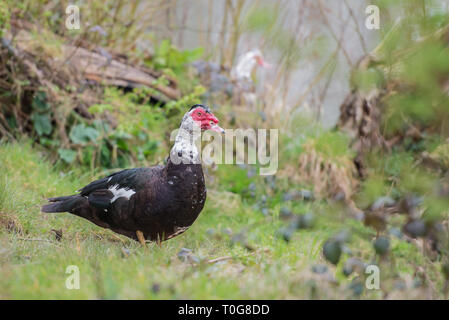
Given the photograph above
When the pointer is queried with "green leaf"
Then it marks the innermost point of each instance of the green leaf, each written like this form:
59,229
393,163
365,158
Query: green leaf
42,123
39,102
87,155
80,134
91,134
105,155
67,155
122,144
194,54
77,134
100,108
164,47
50,143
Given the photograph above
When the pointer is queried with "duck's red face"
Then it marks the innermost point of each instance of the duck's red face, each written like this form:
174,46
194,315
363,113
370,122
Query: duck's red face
205,119
261,62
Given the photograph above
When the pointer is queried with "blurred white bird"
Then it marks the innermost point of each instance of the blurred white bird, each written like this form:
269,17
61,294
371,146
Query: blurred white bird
246,63
241,76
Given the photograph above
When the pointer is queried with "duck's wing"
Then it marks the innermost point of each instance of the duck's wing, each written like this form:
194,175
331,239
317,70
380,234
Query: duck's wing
103,192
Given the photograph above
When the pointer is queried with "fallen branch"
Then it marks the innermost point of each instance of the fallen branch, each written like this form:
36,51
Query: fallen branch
99,65
220,259
224,258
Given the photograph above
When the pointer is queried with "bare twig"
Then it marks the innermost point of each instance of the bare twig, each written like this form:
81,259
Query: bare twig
357,28
329,27
322,72
220,259
35,239
224,258
224,25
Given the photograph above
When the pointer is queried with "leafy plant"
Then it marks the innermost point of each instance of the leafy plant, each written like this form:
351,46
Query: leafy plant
4,17
167,56
81,134
41,115
67,155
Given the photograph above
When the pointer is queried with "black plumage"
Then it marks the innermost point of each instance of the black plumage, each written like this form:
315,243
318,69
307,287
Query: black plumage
166,202
158,202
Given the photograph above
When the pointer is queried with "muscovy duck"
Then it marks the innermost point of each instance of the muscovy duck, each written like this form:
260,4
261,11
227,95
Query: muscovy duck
245,89
155,203
246,63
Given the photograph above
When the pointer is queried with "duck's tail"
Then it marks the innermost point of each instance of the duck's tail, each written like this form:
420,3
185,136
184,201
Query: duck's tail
62,204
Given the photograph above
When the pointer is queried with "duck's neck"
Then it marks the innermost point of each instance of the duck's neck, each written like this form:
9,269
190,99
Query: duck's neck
184,150
245,66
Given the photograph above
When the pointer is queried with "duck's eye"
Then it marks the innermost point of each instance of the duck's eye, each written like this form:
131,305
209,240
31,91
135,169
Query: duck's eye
199,113
211,122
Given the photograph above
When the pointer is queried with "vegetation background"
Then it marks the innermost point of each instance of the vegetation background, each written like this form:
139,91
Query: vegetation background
363,150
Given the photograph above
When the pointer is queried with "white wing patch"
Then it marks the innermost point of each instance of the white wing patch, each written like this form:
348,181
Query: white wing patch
119,193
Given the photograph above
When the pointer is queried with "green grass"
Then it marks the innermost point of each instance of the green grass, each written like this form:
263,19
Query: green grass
33,262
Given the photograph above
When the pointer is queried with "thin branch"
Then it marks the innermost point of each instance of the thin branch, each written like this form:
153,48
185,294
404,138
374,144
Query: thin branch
322,72
220,259
357,28
235,257
329,27
35,239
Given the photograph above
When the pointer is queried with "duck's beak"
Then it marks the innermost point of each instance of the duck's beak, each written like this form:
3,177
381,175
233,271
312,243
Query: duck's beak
217,128
261,62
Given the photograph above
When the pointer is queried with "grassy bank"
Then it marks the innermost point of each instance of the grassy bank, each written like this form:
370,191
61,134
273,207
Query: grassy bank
253,261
